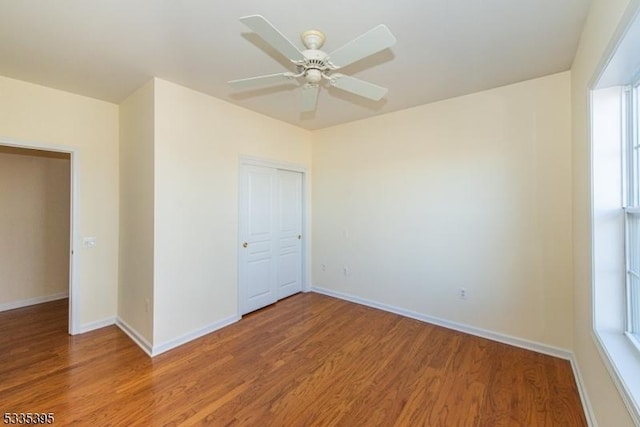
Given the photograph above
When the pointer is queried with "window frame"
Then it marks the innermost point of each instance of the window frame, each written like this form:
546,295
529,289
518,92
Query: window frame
630,132
608,132
618,67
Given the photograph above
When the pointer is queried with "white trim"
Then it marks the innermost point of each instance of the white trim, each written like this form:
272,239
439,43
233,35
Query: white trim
134,335
190,336
468,329
614,42
74,233
12,305
634,340
582,391
614,343
270,163
74,236
92,326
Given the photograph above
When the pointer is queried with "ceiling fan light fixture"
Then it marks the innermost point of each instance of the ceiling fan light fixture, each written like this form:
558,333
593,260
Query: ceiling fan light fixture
313,39
313,75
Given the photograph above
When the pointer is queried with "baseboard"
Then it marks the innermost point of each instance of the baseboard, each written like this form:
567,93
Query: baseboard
154,350
91,326
190,336
12,305
472,330
582,390
135,336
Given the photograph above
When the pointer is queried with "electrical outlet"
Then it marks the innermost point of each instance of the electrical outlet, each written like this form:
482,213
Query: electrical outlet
323,267
345,270
463,293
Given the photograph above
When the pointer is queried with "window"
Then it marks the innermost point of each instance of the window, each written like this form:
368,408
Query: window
615,213
631,183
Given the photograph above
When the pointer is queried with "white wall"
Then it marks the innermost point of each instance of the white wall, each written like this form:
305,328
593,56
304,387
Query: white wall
135,290
34,225
198,142
603,19
38,114
470,192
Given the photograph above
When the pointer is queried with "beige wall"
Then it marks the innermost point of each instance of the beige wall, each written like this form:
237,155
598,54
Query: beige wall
198,142
34,225
604,17
135,288
471,192
51,117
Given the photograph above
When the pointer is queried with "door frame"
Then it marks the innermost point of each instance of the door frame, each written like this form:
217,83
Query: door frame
74,160
306,212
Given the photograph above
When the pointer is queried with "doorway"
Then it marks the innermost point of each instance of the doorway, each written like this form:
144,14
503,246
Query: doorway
38,219
272,243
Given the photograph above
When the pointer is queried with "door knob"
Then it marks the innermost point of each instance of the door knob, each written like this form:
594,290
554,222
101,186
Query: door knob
245,244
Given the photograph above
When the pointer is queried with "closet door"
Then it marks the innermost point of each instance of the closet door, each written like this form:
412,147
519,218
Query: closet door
270,257
258,220
289,277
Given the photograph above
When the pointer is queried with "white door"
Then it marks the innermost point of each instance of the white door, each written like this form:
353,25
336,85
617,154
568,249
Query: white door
257,272
270,258
289,277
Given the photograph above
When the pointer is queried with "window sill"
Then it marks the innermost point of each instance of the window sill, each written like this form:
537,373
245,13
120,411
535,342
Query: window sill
622,359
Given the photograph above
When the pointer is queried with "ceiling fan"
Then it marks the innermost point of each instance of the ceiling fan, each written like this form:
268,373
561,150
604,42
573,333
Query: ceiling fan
314,65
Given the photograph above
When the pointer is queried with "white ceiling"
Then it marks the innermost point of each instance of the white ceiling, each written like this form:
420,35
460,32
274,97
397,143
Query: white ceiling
108,48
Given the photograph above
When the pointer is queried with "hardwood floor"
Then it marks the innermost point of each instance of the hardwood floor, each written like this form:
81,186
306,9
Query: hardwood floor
307,360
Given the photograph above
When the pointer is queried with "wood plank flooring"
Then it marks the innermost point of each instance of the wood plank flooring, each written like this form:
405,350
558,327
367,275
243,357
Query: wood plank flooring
309,360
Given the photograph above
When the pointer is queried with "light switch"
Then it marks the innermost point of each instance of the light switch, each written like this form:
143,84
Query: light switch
89,242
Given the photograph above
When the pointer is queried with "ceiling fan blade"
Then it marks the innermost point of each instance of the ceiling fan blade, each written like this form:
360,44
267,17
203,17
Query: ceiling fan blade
261,81
357,86
309,97
271,35
373,41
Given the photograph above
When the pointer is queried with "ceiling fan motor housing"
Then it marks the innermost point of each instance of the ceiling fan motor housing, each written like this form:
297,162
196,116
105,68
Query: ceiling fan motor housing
315,65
